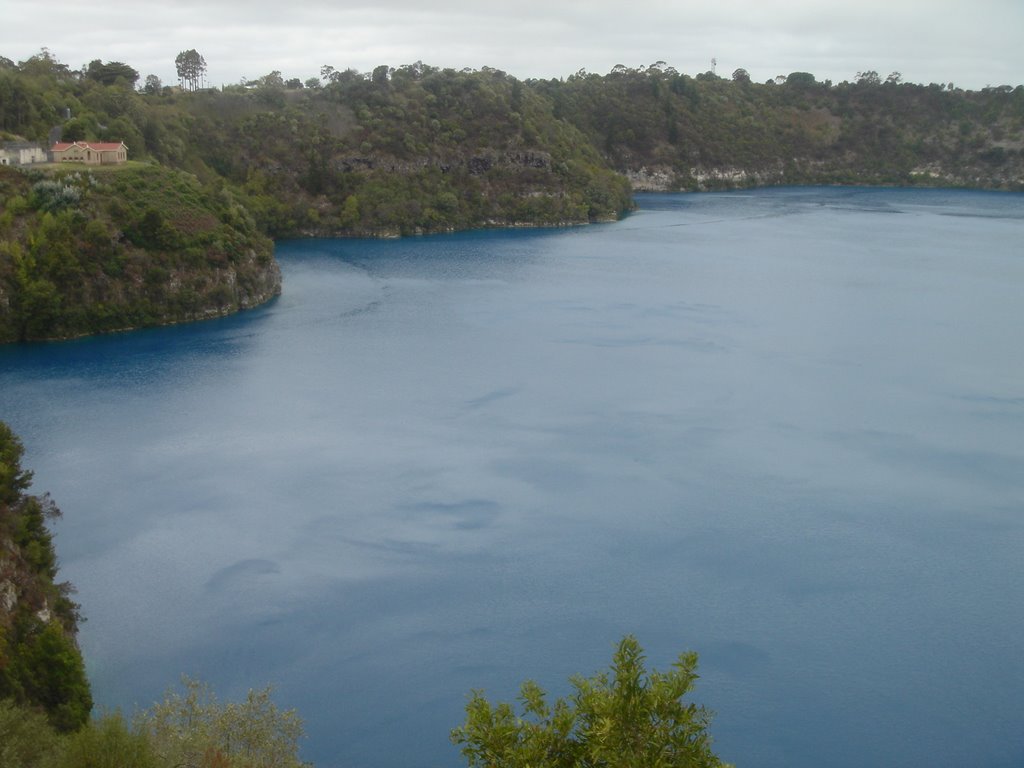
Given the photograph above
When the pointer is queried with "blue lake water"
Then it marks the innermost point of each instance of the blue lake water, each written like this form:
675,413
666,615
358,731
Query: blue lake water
782,428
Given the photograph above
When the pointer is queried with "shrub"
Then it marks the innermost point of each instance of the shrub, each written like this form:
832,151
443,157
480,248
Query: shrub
631,718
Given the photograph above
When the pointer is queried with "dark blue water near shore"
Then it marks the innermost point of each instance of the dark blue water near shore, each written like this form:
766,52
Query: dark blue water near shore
782,428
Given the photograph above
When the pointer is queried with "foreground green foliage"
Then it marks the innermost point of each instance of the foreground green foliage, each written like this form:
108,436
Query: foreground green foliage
40,664
196,729
630,718
107,742
193,729
27,740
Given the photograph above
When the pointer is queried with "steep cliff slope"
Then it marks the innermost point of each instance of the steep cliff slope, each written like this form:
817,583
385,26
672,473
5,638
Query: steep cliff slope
40,665
90,251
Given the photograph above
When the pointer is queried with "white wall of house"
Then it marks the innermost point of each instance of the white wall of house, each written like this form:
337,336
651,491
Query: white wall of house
22,154
32,155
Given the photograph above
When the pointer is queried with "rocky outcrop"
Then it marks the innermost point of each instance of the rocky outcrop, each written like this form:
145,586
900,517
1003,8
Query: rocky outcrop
667,179
8,577
654,179
8,596
808,171
730,177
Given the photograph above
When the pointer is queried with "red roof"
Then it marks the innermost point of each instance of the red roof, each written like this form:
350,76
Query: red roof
95,146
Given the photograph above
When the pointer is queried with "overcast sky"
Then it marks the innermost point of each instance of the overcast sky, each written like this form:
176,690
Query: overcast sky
972,44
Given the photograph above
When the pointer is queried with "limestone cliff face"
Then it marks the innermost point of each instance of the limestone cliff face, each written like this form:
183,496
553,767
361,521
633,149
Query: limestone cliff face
260,281
667,179
22,591
664,178
253,280
11,579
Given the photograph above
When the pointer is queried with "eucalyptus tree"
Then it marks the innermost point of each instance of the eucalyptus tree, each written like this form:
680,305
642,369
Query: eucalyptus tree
191,67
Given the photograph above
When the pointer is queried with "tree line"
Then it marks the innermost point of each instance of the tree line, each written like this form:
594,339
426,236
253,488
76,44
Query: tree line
417,148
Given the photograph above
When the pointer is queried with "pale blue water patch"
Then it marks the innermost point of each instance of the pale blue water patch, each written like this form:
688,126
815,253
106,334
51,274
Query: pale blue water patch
781,428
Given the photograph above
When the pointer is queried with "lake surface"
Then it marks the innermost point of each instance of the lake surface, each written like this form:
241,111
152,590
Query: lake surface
782,428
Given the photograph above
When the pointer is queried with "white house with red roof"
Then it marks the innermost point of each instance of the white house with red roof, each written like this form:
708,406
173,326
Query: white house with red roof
89,152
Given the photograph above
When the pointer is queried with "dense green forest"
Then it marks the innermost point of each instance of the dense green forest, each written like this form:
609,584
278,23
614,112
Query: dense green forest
417,149
396,152
671,131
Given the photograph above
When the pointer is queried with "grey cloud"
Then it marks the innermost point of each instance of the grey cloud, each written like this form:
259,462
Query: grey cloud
973,45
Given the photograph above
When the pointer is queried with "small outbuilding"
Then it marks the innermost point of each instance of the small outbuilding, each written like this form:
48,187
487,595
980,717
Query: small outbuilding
21,153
